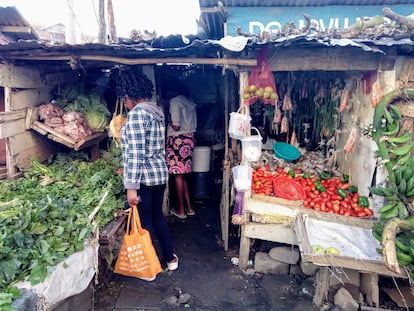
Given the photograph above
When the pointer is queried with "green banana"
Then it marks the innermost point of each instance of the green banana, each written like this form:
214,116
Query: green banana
404,258
410,193
402,210
407,173
388,192
377,236
410,185
388,116
400,151
377,191
379,250
391,177
393,212
400,139
411,243
392,129
403,160
387,207
395,111
402,246
402,186
398,175
378,227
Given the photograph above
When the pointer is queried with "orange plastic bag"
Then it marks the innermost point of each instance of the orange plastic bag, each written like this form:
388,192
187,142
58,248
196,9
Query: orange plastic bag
261,84
137,256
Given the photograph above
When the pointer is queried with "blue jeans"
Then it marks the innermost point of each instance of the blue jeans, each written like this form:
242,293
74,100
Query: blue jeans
152,218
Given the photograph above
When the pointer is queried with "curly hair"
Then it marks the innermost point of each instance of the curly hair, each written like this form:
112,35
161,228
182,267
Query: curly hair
132,82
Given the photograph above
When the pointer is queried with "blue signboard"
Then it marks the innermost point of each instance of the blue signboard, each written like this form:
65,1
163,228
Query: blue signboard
255,20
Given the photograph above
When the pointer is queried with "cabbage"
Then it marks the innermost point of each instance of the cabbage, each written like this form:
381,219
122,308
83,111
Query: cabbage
97,121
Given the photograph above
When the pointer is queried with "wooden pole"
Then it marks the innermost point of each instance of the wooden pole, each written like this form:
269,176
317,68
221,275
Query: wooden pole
145,61
224,204
113,37
102,23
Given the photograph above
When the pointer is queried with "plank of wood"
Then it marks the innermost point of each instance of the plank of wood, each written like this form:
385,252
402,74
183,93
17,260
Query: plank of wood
60,140
369,287
363,266
271,232
39,129
52,132
90,140
20,77
12,115
271,199
244,249
12,128
322,286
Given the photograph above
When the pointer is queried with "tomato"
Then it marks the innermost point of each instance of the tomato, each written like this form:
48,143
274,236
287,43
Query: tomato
345,186
336,197
361,214
279,169
369,212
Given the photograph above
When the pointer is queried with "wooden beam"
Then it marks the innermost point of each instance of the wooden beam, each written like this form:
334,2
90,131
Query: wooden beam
329,59
15,29
146,61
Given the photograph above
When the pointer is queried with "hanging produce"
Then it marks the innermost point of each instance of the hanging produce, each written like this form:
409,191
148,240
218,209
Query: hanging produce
287,102
284,125
350,143
117,122
344,100
261,84
376,94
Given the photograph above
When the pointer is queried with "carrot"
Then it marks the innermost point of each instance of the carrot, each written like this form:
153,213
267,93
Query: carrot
376,94
344,100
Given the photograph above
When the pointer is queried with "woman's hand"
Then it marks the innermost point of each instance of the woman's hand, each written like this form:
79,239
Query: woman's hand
132,197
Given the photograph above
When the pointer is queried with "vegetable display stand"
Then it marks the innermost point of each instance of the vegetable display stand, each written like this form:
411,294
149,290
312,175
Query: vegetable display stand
283,221
355,248
68,141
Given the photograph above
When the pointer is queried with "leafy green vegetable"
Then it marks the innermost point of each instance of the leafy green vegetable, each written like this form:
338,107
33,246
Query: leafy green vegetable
41,224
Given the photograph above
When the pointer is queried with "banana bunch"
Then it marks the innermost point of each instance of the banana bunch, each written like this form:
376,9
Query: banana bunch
404,245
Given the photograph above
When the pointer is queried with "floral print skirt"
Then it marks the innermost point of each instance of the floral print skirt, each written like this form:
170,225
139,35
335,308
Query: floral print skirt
180,153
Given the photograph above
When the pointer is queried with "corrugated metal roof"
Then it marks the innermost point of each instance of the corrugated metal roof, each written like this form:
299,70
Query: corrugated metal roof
14,26
261,3
67,57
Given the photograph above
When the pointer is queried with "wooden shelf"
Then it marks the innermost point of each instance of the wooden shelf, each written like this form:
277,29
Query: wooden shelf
58,137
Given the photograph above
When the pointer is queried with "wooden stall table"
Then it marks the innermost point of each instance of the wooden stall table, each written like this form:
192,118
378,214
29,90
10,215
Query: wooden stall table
272,219
353,237
284,221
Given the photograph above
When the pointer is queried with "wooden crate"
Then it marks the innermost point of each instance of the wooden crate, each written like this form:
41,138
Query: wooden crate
58,137
110,240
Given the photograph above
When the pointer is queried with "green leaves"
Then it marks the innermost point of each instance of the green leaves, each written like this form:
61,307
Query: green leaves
40,225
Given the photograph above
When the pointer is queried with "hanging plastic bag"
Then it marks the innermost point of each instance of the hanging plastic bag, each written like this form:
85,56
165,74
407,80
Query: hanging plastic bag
137,256
239,123
117,122
261,84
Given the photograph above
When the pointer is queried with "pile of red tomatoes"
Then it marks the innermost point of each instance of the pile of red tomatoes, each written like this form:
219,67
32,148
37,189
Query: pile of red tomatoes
319,194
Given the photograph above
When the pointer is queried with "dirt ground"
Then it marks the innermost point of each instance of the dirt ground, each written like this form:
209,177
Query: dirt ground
206,278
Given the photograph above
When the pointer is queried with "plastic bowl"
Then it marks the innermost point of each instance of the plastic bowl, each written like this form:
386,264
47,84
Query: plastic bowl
286,151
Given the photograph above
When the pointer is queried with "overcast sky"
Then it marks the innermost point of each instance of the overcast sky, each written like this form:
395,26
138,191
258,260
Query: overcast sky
164,16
